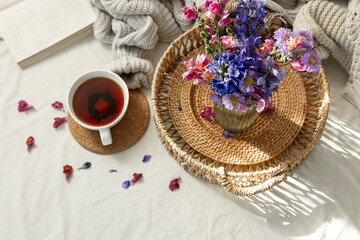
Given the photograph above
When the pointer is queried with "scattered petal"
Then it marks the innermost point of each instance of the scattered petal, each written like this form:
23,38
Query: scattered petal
59,121
178,105
174,184
146,158
126,184
67,171
85,165
137,176
58,105
207,113
30,142
23,106
228,134
112,170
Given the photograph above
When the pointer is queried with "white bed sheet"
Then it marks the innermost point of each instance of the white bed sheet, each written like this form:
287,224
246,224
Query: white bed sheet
320,199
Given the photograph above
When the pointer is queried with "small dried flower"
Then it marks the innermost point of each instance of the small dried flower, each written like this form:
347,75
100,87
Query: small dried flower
30,142
126,184
85,165
58,105
146,158
59,121
67,171
228,134
112,170
178,105
137,176
174,184
23,106
207,113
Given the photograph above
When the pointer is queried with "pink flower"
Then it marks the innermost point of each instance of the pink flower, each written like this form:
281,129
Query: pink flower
137,176
298,65
174,184
189,75
293,43
189,12
268,45
23,106
198,80
67,169
227,42
204,5
213,39
58,121
224,19
210,29
207,113
215,8
202,61
30,142
189,64
58,105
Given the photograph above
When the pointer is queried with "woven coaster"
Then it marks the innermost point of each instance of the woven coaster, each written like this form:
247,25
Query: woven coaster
270,134
125,134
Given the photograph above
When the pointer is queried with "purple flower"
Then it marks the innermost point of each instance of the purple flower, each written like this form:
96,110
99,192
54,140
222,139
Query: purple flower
308,41
137,176
311,61
112,170
282,35
207,113
228,134
23,106
233,101
126,184
146,158
85,165
178,105
174,184
247,84
58,105
215,98
59,121
30,142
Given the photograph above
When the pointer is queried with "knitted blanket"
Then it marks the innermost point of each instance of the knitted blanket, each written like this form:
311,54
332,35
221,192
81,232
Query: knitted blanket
133,27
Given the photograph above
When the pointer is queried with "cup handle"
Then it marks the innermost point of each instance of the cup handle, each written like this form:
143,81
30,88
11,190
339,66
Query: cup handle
105,135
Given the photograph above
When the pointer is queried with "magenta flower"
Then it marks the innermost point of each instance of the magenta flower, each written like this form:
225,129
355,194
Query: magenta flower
23,106
227,42
137,176
210,29
298,65
190,74
215,7
58,105
268,45
30,142
311,61
213,39
204,5
189,64
174,184
59,121
189,12
224,19
207,113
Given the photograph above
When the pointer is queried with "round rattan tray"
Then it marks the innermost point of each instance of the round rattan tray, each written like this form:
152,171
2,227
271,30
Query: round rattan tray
254,160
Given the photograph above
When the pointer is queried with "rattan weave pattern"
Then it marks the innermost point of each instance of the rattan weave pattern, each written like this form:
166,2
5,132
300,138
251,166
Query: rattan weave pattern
270,134
240,179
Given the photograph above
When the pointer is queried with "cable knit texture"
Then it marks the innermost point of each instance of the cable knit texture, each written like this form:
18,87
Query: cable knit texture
133,27
337,32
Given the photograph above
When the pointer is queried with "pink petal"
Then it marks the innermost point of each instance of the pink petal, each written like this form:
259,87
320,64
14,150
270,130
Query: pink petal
174,184
58,105
59,121
23,106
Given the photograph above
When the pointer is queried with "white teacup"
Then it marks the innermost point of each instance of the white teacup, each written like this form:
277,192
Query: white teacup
105,133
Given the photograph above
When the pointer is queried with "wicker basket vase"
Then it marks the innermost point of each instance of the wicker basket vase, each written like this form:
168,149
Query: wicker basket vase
234,121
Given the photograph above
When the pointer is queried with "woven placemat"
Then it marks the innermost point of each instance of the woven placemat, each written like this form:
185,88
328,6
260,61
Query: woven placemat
270,134
125,134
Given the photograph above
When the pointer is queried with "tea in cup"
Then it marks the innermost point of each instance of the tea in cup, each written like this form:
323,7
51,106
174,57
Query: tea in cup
98,100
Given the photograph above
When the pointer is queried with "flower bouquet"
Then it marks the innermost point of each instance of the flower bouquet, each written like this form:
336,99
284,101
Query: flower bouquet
241,67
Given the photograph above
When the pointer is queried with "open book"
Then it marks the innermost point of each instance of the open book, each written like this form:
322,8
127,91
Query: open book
34,29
